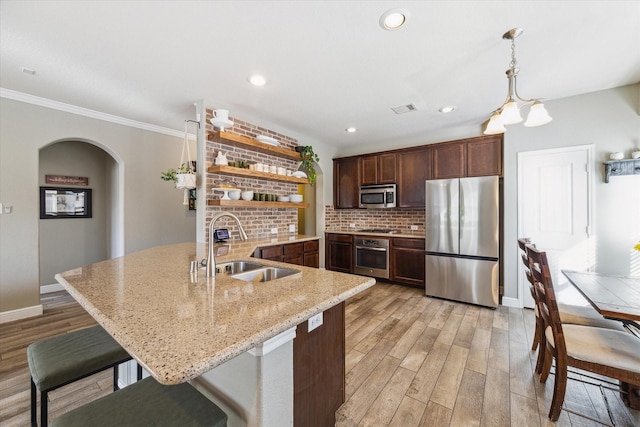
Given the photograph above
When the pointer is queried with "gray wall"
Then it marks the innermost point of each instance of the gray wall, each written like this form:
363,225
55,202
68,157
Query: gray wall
610,121
67,243
146,211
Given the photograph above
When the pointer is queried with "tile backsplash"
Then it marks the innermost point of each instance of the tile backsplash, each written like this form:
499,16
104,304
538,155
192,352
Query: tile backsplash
399,219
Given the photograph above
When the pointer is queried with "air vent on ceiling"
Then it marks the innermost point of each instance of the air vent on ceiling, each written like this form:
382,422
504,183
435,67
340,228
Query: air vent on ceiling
404,109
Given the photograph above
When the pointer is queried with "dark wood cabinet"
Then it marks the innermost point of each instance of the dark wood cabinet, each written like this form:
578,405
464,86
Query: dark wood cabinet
299,253
339,252
346,183
319,370
378,169
414,168
410,167
312,254
481,156
449,160
407,261
273,253
484,156
293,253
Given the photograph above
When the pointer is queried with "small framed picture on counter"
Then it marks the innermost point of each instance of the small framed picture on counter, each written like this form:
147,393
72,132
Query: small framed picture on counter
57,202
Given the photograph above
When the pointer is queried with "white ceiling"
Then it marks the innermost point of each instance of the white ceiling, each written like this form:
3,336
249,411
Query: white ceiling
329,65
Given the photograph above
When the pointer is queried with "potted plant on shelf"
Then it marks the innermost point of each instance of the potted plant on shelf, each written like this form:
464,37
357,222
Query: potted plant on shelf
308,157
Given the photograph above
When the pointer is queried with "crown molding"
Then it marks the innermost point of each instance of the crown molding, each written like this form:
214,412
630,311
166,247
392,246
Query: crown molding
73,109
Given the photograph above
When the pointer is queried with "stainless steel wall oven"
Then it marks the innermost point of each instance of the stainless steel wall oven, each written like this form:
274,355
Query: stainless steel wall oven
371,256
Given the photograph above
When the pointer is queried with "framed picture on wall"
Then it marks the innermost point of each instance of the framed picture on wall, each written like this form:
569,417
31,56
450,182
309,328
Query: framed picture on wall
56,202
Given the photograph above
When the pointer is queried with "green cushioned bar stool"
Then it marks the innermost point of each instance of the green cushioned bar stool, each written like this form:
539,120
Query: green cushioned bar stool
147,403
61,360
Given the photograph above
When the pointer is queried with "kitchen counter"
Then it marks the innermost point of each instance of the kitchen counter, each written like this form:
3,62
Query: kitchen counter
179,326
403,233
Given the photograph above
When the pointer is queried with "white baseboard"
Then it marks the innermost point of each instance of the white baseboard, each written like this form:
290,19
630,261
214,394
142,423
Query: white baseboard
511,302
21,313
47,289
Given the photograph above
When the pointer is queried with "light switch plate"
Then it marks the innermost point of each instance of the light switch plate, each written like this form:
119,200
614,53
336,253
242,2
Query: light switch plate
292,228
414,227
274,231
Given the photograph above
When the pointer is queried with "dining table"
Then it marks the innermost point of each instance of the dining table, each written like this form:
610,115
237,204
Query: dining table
615,297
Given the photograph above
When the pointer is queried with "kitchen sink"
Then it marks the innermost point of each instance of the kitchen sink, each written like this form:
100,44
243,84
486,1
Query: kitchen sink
265,274
234,267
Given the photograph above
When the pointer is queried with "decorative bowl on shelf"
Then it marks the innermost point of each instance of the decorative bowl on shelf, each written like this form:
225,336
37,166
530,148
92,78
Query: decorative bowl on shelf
267,140
247,195
283,198
234,194
295,198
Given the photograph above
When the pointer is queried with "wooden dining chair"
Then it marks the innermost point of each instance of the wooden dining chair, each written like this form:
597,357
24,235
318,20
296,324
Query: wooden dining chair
611,353
569,313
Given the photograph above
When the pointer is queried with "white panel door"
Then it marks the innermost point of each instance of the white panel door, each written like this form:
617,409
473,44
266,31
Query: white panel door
554,208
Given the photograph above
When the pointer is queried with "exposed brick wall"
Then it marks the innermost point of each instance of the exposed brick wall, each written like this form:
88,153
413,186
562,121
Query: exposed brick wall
257,221
399,219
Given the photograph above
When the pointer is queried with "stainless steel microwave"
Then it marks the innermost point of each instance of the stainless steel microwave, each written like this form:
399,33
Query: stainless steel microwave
378,196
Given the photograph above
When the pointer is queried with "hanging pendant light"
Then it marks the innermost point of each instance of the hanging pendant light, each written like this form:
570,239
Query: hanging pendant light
509,112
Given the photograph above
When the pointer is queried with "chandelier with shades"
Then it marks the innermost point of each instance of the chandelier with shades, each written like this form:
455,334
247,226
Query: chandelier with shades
509,112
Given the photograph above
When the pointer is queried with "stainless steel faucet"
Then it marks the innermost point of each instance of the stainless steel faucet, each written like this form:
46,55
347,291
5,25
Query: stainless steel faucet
211,258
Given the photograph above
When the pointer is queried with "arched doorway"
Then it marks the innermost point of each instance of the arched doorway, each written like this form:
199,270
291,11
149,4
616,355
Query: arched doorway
67,243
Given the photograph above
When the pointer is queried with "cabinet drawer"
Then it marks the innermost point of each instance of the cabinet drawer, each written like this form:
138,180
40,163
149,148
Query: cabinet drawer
343,238
311,246
407,243
293,249
271,252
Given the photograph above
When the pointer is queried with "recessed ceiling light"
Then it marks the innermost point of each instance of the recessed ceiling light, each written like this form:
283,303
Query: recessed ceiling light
394,18
447,109
351,129
257,80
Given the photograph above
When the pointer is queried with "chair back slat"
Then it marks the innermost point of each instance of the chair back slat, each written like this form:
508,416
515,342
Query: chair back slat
548,305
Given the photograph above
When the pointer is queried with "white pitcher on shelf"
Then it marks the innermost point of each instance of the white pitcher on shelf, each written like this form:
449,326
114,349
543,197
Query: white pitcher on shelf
221,159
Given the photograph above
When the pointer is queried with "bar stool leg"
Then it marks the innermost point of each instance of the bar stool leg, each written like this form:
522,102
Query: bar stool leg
34,416
44,408
139,369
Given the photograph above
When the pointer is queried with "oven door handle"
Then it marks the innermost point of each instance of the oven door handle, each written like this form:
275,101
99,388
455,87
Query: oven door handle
372,249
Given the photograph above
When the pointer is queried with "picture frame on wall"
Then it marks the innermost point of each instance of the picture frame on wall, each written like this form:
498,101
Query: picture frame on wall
57,202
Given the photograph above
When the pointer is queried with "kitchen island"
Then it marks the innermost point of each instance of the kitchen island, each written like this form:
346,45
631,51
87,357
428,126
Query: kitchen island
217,332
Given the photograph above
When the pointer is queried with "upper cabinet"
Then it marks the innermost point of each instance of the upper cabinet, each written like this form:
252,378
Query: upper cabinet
378,169
414,168
481,156
346,183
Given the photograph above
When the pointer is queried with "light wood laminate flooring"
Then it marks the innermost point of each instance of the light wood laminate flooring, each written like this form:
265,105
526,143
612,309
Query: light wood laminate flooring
411,361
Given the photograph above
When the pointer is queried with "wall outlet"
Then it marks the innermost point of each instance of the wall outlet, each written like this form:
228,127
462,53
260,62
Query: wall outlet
292,228
352,226
314,322
274,230
414,227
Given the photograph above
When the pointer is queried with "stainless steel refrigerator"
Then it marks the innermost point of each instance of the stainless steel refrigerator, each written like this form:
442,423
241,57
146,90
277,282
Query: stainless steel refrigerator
462,239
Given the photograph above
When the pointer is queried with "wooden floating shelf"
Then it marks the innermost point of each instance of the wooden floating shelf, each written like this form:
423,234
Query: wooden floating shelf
253,144
255,204
230,170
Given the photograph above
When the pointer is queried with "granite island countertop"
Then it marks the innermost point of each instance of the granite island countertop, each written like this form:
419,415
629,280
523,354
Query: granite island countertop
179,326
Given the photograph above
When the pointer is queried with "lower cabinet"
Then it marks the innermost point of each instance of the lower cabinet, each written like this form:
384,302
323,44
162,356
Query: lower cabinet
319,370
299,253
407,261
339,252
